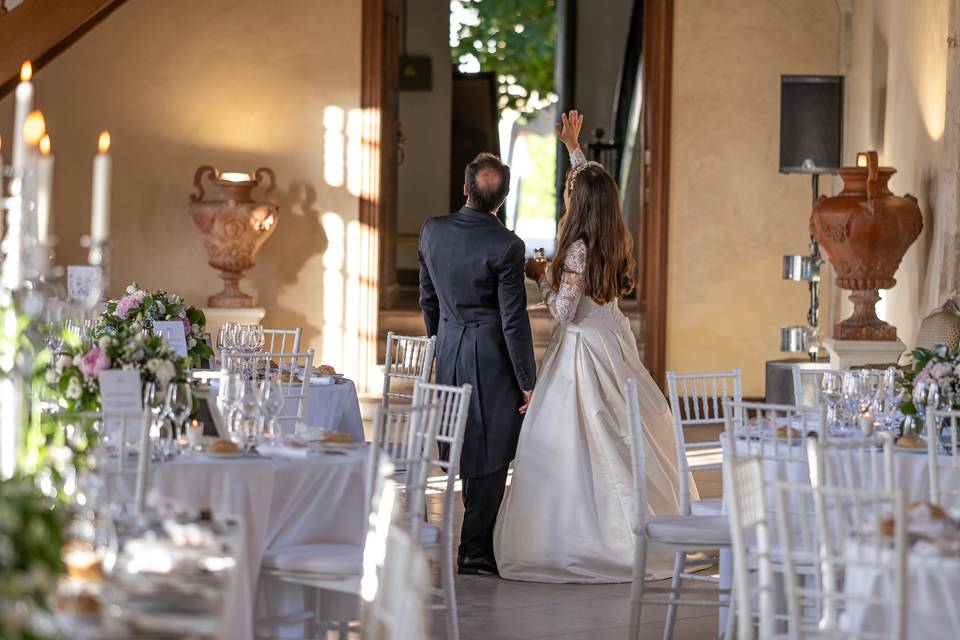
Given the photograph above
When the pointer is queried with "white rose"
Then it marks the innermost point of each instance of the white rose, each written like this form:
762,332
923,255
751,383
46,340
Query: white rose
105,342
131,288
175,299
74,390
52,376
164,372
194,328
191,343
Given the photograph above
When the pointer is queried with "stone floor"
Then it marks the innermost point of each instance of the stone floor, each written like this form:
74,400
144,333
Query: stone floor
495,609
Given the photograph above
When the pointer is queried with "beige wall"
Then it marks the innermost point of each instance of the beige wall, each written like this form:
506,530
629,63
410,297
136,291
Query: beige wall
897,92
234,83
732,215
424,176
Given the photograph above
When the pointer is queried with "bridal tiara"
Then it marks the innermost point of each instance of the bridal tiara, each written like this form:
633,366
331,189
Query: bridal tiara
577,170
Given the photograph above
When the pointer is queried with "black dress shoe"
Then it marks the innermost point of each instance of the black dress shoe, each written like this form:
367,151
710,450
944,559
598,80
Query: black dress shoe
467,566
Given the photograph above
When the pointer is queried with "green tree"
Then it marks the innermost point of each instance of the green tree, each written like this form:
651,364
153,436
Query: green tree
515,39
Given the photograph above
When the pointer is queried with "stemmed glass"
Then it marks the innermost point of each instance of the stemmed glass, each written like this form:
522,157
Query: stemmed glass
228,397
926,395
272,402
831,390
179,406
155,400
249,413
851,402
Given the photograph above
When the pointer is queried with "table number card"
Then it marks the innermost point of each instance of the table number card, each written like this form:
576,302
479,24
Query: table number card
120,393
84,284
173,332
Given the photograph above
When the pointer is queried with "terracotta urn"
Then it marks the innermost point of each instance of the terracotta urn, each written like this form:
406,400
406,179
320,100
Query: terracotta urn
233,227
865,230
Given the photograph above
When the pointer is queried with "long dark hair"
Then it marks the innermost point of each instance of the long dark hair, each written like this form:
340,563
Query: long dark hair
594,216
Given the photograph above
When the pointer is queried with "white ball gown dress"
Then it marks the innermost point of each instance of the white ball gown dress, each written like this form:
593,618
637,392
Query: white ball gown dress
568,511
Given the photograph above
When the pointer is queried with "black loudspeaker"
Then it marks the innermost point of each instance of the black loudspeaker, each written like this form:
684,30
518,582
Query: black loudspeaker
811,123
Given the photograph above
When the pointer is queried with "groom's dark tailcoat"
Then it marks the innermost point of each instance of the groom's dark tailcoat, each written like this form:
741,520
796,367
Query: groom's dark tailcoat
473,299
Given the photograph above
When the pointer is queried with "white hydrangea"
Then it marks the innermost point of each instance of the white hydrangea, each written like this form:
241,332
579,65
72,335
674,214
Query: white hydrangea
74,389
163,370
194,328
131,288
191,343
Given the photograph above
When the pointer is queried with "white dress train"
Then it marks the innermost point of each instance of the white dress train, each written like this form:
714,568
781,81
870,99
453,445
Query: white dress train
568,511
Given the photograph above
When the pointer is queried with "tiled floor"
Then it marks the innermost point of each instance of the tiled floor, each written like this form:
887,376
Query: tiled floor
495,609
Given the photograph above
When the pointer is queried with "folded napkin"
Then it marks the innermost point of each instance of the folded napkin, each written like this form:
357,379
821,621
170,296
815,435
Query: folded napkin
274,451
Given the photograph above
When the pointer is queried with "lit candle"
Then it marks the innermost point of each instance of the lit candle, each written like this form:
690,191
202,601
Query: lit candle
100,203
44,189
861,159
23,104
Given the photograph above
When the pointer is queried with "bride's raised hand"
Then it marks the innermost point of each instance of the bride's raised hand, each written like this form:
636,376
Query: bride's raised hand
568,129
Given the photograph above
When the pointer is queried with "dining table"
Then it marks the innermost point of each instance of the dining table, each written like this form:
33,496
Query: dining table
283,497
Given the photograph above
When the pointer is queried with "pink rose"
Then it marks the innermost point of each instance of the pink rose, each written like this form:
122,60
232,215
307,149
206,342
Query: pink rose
93,362
940,369
186,326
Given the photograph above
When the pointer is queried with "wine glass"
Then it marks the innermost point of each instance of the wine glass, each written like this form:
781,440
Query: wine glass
851,398
249,412
272,402
155,400
179,406
228,397
831,390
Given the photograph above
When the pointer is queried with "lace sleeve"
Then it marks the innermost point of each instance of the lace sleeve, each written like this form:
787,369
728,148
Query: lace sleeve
577,158
563,303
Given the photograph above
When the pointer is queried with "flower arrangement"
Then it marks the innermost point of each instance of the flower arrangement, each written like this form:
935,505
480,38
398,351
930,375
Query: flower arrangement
71,378
939,365
139,309
32,529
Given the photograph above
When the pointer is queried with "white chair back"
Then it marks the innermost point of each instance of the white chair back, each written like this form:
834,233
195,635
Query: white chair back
406,437
941,466
395,583
696,400
863,532
282,340
295,370
852,463
753,581
408,358
638,452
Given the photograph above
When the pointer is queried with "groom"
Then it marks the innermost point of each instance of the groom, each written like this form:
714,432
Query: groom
473,299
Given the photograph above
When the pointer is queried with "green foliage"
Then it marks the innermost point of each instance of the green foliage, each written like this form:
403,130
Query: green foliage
515,39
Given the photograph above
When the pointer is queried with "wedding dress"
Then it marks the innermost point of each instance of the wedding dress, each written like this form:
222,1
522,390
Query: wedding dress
568,511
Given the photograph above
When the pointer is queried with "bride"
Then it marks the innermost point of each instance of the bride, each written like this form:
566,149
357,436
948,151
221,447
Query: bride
567,514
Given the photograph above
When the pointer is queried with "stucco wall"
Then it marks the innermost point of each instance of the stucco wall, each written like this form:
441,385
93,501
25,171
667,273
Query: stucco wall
897,103
234,83
732,215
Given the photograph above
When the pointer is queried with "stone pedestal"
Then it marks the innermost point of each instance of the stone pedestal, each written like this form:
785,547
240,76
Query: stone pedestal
852,353
217,317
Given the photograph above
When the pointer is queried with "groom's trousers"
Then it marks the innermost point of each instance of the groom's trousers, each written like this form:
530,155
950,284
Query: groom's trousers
481,503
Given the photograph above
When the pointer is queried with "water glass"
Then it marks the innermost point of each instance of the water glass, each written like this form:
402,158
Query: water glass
155,400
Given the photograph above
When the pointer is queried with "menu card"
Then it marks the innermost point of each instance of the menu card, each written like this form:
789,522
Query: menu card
84,284
173,332
120,393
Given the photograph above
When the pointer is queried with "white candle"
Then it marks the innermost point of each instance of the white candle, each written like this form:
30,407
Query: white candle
100,203
31,132
44,190
23,104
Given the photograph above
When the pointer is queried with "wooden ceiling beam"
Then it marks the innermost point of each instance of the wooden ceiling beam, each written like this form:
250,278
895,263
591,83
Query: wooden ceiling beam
38,30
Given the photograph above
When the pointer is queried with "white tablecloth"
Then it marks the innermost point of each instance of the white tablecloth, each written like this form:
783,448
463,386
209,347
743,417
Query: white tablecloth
280,501
334,407
933,594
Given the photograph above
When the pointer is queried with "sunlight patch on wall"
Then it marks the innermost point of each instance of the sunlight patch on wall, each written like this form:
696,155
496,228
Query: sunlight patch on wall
333,144
334,288
354,151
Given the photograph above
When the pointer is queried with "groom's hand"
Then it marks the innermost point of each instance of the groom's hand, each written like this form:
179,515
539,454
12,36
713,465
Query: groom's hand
527,395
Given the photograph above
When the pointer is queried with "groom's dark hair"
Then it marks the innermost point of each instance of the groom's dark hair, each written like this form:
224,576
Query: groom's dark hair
488,182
